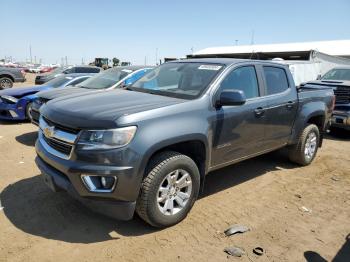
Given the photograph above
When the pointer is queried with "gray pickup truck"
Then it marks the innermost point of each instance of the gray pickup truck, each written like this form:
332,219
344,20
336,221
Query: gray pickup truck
10,75
148,148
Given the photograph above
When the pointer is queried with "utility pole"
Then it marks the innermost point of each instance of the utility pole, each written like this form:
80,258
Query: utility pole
30,52
157,56
145,60
192,50
66,61
252,40
35,59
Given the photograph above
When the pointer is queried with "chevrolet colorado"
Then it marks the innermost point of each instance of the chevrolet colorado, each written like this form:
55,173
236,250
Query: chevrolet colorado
148,148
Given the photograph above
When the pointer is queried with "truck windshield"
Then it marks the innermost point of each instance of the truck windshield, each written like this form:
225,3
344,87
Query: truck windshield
181,80
337,74
105,79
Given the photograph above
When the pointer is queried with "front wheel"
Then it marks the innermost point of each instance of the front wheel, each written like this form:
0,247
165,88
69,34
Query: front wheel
29,111
304,152
169,190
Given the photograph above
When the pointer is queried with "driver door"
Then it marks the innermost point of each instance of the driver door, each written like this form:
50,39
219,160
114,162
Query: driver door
239,131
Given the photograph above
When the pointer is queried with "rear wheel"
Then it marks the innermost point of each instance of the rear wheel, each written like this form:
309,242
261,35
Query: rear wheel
5,82
304,152
169,189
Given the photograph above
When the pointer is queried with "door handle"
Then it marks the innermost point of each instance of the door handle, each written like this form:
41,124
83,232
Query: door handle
290,104
259,111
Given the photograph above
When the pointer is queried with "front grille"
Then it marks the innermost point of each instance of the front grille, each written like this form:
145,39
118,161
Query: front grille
61,147
35,115
342,95
61,127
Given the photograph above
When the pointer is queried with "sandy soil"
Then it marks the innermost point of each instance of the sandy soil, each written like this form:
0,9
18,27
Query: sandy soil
266,193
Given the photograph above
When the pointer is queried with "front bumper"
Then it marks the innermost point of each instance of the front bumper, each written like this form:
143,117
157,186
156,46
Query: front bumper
340,120
57,181
66,174
12,111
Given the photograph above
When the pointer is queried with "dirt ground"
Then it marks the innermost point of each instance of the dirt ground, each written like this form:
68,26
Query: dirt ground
294,213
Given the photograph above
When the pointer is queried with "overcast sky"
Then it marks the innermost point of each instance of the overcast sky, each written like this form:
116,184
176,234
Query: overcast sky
134,30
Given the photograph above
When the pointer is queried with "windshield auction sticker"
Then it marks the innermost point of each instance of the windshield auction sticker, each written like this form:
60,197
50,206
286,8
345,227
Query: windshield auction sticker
210,67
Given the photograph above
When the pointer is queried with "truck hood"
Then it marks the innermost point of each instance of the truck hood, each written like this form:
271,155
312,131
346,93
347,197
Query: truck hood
332,83
23,91
100,110
63,91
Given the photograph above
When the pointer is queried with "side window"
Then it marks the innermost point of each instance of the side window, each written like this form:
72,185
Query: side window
94,70
242,78
81,70
69,71
77,81
276,80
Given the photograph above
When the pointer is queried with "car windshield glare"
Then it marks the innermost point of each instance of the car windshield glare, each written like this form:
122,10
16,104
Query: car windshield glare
186,80
58,81
105,79
337,74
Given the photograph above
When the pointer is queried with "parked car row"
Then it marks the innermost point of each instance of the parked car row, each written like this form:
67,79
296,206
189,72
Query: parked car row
43,78
141,139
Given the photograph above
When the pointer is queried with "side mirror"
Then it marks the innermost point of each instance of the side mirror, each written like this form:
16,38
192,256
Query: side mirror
318,77
231,98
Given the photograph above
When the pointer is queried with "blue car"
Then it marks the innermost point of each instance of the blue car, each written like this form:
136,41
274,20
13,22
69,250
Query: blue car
16,103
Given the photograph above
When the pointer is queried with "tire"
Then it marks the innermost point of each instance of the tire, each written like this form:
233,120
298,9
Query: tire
28,111
5,82
164,165
298,152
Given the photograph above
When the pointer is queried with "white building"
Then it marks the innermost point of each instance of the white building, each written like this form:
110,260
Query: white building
306,60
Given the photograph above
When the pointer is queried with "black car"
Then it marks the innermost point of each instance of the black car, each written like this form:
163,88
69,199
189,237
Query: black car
43,78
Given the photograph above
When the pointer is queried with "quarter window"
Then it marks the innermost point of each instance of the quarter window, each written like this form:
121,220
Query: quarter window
242,78
276,80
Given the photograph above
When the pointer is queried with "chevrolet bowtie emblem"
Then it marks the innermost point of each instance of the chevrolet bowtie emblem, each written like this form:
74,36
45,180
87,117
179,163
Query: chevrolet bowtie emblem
49,131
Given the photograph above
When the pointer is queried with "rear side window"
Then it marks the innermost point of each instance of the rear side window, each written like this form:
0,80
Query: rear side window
276,80
93,70
242,78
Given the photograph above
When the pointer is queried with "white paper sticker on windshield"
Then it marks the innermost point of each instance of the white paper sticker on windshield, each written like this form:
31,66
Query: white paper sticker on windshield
210,67
127,70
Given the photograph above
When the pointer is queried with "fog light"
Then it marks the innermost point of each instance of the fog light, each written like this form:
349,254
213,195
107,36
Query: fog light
348,121
107,182
99,184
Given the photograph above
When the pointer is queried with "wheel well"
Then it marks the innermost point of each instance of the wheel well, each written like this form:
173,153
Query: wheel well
8,76
195,149
318,121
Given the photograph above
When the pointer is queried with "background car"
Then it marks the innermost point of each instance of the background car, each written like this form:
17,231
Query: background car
16,103
10,75
115,77
41,79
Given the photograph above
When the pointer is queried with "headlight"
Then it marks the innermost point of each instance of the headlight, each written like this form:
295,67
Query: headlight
106,139
9,99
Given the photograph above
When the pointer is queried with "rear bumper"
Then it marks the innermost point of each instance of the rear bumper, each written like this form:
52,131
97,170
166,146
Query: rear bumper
40,81
57,181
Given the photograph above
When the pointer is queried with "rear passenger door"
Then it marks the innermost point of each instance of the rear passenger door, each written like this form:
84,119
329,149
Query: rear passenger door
281,107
